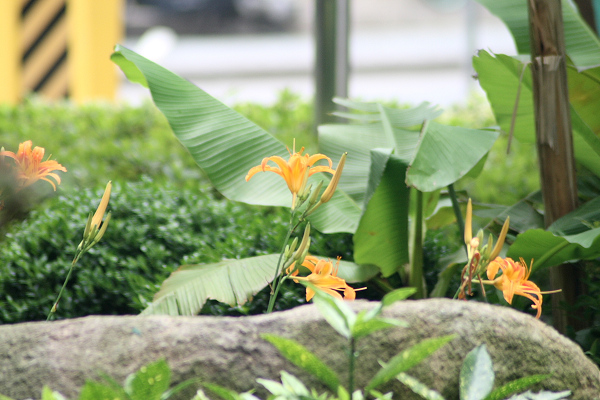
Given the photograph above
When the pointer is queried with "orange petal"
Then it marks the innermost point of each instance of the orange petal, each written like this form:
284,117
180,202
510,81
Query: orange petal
316,157
492,268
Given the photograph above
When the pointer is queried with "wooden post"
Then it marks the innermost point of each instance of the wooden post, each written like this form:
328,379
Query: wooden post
554,141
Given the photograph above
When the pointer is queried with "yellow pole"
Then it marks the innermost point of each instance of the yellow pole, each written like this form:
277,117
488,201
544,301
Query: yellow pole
10,51
94,29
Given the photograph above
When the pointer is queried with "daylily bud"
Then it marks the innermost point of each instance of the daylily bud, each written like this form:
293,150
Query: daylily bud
468,222
303,256
302,196
95,228
304,244
501,239
102,229
328,193
487,249
315,193
289,250
479,236
88,228
97,219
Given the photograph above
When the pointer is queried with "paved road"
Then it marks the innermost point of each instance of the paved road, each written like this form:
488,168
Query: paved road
406,63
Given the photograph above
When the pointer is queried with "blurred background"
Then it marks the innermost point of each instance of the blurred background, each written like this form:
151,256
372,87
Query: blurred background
249,50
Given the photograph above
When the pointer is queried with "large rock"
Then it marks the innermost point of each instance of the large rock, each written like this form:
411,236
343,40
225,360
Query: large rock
229,351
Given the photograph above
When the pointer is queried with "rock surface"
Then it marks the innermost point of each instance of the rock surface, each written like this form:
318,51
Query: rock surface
230,352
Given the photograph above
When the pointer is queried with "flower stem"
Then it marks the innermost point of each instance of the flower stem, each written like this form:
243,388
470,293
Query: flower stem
62,289
351,366
416,262
457,213
277,279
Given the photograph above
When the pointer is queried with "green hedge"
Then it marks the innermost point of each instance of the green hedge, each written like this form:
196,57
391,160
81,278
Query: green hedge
153,229
100,142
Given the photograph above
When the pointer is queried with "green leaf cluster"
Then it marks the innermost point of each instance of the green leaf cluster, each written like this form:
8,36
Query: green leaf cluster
389,150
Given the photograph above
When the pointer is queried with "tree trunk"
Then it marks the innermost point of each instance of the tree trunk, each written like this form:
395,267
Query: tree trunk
554,142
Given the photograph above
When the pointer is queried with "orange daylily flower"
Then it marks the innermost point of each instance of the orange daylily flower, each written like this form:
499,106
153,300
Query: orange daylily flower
515,280
31,168
295,171
324,276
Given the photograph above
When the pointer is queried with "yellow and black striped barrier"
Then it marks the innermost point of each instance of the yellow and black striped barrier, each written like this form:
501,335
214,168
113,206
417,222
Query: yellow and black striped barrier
44,47
59,48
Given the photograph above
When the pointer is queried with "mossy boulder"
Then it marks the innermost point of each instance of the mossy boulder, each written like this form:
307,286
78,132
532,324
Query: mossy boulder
229,351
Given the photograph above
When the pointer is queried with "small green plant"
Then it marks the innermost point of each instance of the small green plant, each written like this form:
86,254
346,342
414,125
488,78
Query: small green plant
150,382
476,376
353,327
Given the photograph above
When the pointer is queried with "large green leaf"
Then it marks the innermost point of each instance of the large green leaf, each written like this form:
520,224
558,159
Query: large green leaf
226,145
446,154
571,237
548,249
499,76
523,215
582,44
374,127
230,281
438,157
584,95
382,235
582,219
381,141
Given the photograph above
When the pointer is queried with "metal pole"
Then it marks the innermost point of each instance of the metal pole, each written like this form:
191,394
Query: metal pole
331,60
342,48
